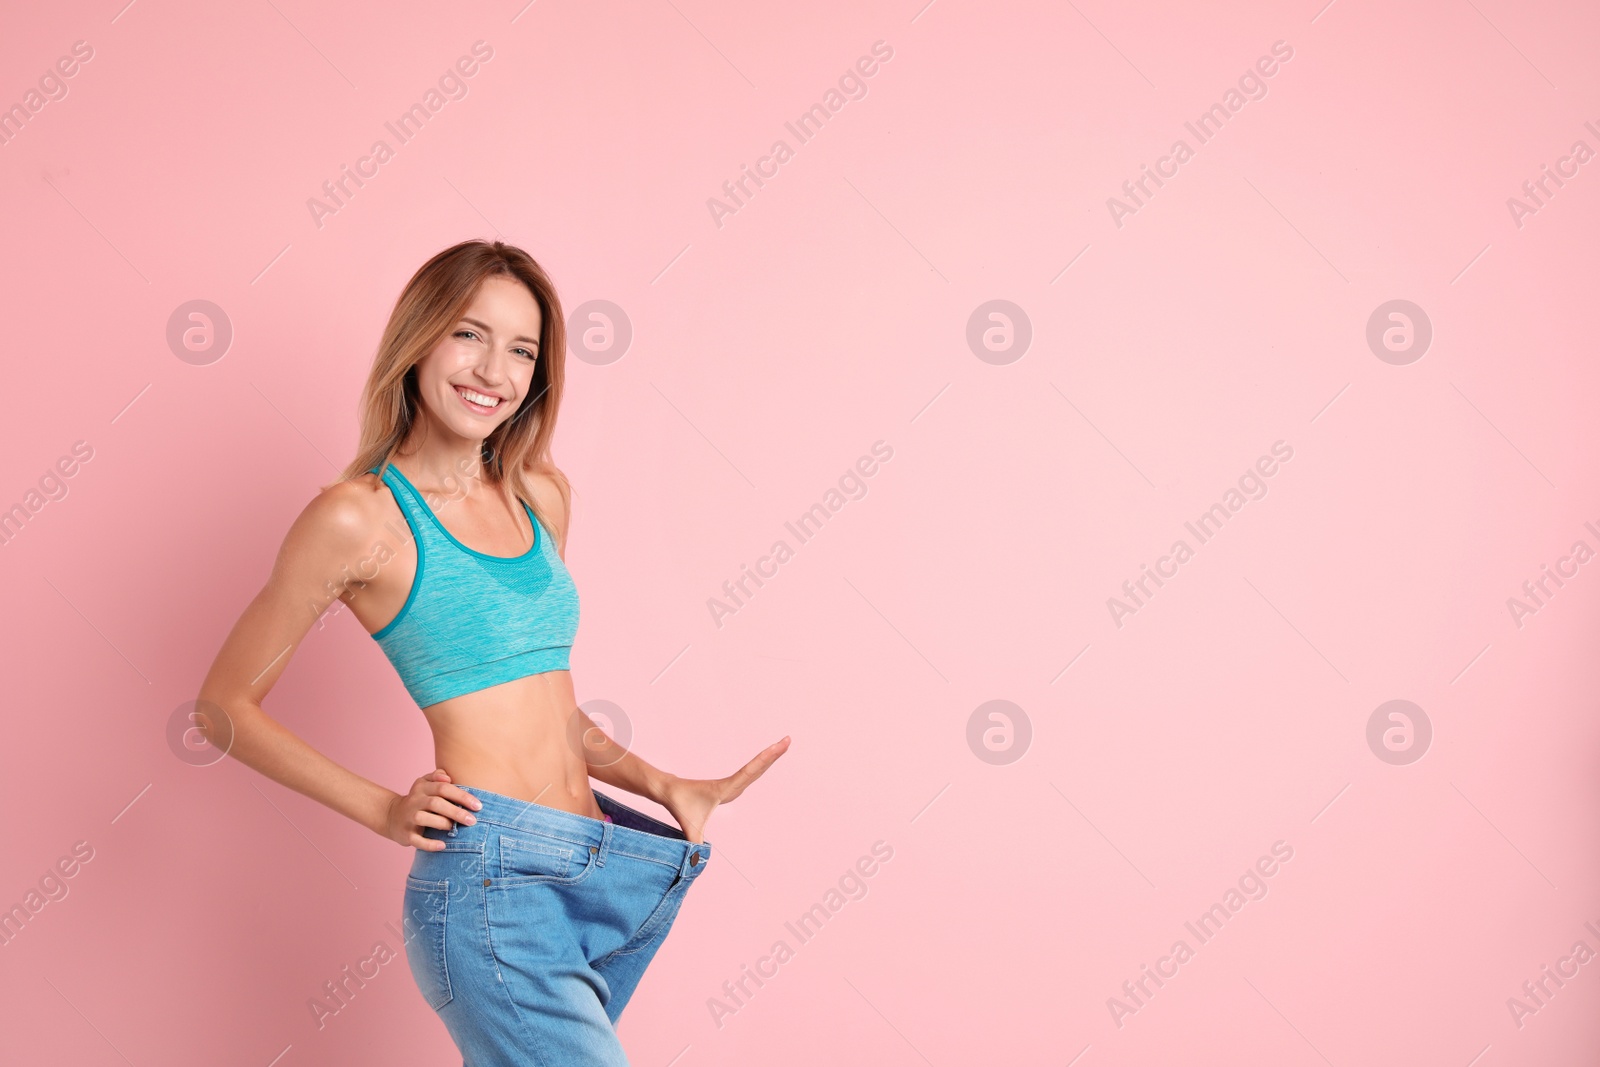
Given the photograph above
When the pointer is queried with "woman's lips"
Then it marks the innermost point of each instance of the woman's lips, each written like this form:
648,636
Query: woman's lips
475,406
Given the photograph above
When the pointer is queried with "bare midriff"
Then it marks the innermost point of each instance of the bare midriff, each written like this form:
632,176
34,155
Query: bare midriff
521,739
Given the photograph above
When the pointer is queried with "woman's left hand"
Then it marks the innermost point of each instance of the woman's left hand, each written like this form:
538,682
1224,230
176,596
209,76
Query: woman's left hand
691,800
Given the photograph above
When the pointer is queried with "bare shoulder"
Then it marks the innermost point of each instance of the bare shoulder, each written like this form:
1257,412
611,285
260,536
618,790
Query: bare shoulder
551,500
343,518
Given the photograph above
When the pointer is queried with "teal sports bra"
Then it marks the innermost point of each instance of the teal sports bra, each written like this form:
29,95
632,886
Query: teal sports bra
473,620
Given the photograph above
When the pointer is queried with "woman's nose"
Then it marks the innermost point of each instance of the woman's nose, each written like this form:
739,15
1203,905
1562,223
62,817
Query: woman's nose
492,368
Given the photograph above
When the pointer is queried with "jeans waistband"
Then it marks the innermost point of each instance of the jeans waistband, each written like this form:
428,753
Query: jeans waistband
631,832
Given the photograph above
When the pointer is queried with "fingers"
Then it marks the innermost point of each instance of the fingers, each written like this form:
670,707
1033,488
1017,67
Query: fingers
438,784
453,811
736,782
460,796
423,817
763,759
769,755
440,805
754,768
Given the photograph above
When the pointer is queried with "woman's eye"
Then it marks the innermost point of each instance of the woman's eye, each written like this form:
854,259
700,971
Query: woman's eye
460,333
525,352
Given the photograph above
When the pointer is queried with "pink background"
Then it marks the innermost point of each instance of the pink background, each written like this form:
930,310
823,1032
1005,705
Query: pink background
768,354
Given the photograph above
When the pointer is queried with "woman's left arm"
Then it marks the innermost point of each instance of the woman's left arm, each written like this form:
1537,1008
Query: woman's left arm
690,800
613,764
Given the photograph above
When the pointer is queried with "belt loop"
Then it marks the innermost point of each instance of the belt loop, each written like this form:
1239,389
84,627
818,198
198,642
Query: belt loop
605,844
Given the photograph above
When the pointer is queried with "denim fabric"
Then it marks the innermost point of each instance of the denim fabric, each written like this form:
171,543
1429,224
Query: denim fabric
530,931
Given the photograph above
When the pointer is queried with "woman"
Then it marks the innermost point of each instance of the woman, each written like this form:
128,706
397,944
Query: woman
534,903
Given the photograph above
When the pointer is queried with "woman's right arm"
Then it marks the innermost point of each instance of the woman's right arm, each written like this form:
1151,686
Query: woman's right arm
315,565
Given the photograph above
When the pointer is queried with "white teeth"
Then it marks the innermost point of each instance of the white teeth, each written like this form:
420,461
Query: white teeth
478,398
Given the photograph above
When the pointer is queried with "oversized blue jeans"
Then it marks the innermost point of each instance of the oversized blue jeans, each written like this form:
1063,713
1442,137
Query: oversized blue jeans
530,931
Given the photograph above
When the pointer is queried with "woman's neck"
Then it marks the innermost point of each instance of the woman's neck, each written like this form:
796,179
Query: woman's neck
440,460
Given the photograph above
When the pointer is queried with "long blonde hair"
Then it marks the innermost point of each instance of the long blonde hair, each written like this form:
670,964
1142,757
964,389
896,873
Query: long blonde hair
429,305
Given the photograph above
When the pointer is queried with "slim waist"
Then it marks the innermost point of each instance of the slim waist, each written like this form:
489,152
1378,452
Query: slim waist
632,831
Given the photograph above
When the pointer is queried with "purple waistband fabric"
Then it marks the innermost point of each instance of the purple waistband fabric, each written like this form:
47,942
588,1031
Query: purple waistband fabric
608,818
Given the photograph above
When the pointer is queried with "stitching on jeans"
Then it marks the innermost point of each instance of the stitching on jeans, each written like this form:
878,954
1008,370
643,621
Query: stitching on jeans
433,948
642,945
581,842
440,959
625,949
488,935
529,1045
561,856
555,835
424,885
647,859
524,828
522,880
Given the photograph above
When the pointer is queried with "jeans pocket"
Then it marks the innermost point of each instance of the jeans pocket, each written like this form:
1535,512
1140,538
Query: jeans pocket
427,905
529,858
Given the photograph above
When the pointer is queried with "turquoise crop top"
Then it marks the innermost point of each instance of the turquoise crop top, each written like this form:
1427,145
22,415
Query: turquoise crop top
473,620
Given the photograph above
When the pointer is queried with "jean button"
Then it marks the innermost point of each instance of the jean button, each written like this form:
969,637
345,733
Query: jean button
694,860
486,881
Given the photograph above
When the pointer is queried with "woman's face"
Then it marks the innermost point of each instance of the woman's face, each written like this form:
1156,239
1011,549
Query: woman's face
480,372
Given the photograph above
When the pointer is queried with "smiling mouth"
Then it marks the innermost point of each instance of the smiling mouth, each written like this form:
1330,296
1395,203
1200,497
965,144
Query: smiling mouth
479,403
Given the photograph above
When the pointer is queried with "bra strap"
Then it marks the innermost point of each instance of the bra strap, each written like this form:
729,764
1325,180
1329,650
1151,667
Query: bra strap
404,495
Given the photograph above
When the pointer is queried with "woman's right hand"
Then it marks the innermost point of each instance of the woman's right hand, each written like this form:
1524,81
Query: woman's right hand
429,804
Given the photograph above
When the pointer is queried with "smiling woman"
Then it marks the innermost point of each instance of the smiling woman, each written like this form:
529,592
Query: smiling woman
477,612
